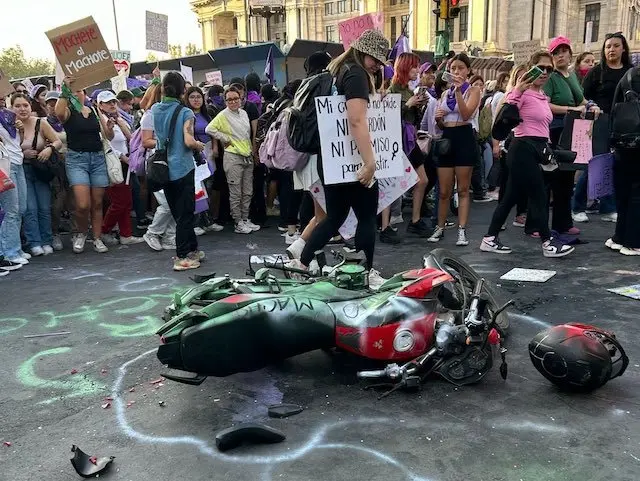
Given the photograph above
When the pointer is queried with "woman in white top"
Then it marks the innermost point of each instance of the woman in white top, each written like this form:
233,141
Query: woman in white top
12,201
119,195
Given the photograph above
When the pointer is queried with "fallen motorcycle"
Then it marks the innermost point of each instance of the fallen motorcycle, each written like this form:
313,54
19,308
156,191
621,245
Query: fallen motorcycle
442,318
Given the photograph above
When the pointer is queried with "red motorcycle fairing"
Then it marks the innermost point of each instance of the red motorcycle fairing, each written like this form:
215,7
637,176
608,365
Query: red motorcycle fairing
398,328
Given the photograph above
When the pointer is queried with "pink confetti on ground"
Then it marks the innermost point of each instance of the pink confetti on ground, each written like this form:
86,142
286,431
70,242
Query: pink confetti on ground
157,381
93,460
74,371
103,371
8,444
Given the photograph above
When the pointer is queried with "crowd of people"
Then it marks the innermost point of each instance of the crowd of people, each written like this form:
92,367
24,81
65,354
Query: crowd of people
56,146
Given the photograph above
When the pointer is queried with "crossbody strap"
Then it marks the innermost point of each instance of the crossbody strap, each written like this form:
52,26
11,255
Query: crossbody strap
36,132
172,125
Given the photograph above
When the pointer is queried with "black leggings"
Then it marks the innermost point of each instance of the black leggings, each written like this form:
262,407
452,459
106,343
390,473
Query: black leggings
340,198
525,178
626,178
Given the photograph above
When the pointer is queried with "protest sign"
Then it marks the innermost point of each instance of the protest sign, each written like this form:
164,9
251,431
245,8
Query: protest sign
187,72
5,86
389,190
351,29
581,142
214,77
157,28
600,181
121,60
82,53
340,156
522,51
119,82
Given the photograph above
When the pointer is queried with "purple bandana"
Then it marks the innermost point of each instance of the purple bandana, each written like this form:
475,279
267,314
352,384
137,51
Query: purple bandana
55,123
451,95
8,121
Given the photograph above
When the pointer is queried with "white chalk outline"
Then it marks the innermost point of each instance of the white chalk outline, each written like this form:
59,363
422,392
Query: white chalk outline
314,442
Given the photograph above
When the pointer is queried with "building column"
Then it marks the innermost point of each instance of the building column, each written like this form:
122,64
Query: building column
242,28
291,23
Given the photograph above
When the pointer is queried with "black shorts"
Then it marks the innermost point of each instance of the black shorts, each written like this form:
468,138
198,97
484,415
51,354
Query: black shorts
464,147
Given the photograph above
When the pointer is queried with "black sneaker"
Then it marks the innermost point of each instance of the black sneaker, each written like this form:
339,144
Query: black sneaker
483,199
419,228
555,248
493,244
389,236
143,223
7,266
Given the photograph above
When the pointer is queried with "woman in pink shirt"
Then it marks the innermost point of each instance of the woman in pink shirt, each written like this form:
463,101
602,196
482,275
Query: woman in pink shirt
531,137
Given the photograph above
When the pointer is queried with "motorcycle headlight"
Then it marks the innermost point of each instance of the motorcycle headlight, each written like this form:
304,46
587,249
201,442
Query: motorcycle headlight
403,341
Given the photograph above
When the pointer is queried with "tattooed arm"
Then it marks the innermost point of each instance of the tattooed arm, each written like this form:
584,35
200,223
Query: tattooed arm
189,136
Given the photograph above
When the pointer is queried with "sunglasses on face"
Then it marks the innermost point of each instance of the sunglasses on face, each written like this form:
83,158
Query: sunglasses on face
545,68
613,35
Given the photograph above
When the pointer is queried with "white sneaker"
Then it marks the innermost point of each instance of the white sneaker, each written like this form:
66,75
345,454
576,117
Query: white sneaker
555,248
291,238
199,231
242,228
4,273
294,251
613,245
99,246
628,251
37,251
169,244
22,253
613,217
251,225
125,241
47,250
19,260
438,233
214,228
152,240
375,280
57,243
78,243
462,237
579,217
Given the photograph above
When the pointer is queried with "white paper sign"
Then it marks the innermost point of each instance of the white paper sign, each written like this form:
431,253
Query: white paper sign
389,190
187,72
214,78
119,83
340,156
202,172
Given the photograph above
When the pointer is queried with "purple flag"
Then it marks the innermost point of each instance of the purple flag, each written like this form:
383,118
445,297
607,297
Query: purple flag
269,67
600,181
401,46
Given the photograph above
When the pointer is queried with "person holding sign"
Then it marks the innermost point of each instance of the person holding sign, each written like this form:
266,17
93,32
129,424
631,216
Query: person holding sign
357,68
457,151
85,163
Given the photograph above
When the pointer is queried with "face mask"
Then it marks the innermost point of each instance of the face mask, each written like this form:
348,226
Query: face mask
584,71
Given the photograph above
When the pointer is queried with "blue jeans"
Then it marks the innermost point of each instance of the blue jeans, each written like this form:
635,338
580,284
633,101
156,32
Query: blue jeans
37,219
579,201
14,203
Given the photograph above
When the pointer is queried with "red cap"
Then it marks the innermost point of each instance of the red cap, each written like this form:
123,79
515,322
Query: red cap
558,42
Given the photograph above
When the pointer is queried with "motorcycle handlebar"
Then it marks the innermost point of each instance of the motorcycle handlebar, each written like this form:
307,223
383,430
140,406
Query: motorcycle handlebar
371,374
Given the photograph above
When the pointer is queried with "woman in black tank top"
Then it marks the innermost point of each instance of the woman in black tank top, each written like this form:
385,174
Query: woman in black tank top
85,163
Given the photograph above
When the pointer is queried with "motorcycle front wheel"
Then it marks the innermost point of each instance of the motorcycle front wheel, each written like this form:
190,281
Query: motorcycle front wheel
445,260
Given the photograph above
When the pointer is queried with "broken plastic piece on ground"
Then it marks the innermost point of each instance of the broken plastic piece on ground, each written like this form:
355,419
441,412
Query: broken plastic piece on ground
133,389
250,433
88,466
74,371
8,444
284,410
106,405
161,403
48,334
157,381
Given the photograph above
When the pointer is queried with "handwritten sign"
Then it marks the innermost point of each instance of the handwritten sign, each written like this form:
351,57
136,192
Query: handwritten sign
187,72
5,86
600,181
121,60
522,51
157,32
581,142
82,53
214,77
388,191
340,156
119,82
351,29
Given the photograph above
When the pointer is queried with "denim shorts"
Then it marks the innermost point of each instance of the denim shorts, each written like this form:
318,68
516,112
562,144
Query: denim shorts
86,168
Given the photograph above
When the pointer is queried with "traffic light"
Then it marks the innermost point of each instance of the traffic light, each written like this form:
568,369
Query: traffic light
441,8
453,8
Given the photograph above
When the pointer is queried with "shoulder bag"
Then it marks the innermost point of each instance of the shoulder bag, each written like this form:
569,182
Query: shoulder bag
46,170
114,168
158,162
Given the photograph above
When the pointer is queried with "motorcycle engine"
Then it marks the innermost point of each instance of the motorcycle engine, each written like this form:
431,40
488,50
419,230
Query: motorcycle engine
350,276
468,367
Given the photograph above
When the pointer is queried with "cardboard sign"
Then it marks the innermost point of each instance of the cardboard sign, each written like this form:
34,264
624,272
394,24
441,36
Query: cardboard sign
600,180
351,29
82,53
214,78
388,191
157,28
121,60
5,86
522,51
581,142
187,72
340,156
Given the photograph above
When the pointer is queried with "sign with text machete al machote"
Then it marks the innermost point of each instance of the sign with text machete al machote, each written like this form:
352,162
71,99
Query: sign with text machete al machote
82,53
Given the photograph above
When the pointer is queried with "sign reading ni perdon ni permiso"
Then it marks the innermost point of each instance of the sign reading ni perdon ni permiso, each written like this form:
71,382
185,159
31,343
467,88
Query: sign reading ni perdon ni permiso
157,31
82,53
341,158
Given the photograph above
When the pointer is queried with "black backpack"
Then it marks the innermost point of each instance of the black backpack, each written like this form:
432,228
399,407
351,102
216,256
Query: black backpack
158,163
624,121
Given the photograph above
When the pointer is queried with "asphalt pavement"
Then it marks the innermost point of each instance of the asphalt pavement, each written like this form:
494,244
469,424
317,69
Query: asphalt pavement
96,381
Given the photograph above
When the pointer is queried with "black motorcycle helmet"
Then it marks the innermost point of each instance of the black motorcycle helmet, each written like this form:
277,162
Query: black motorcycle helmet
578,357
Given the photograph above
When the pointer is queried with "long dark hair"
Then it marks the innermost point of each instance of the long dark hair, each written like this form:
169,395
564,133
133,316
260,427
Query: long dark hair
203,108
625,59
173,85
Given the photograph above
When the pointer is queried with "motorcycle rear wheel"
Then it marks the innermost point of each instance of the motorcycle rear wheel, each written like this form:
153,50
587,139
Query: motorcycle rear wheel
447,261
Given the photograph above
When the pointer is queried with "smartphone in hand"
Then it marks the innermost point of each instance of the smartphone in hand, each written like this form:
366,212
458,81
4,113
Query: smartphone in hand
533,73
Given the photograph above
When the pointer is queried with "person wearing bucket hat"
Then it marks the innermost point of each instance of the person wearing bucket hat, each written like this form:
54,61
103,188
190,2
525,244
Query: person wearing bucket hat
565,96
354,72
